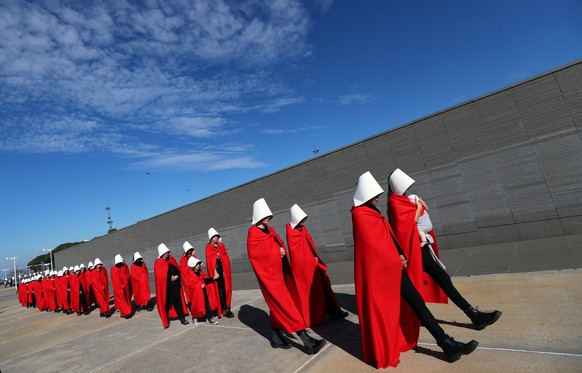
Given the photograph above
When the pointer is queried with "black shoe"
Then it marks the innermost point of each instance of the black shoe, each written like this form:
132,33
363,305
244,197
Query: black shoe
229,314
312,345
184,321
278,340
150,308
79,313
339,315
108,314
102,315
138,308
481,319
454,349
127,317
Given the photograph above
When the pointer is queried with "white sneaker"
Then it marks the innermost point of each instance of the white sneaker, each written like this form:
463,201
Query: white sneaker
212,321
194,321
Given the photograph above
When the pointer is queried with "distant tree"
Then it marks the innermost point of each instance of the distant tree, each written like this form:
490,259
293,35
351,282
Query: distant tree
45,258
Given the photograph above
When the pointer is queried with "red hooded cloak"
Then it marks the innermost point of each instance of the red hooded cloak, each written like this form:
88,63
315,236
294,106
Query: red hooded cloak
275,279
197,306
211,254
161,280
101,289
401,212
184,271
75,293
310,275
62,288
140,284
38,295
121,289
377,277
48,288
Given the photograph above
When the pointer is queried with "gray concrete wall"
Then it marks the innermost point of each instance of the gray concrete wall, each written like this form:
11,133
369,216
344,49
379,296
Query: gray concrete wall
500,168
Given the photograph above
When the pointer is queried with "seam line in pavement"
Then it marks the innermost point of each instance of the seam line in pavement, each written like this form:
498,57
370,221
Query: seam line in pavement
517,350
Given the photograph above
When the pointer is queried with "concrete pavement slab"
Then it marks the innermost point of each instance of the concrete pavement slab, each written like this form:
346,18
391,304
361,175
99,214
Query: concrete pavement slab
541,328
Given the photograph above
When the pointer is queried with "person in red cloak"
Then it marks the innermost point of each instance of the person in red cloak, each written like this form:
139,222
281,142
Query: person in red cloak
382,285
91,300
23,293
203,302
76,292
48,287
121,287
38,294
189,252
268,258
218,266
30,294
427,273
84,277
140,283
310,273
169,294
100,283
63,287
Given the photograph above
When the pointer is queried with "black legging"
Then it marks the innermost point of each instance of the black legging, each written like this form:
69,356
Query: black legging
209,312
413,298
221,285
443,279
173,298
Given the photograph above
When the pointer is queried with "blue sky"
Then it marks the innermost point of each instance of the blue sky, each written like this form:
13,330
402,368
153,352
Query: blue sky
146,108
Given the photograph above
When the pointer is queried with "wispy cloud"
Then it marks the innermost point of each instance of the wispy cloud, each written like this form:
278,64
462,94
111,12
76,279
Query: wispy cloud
279,131
79,77
355,98
197,161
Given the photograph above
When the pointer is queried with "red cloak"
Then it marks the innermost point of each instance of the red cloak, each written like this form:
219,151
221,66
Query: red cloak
75,293
140,284
161,281
90,294
211,255
184,269
310,274
195,282
48,288
377,277
121,289
62,288
83,277
101,289
38,295
275,279
29,292
401,212
22,294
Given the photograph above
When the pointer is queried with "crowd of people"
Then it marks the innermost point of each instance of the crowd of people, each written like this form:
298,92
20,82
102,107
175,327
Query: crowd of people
397,269
79,289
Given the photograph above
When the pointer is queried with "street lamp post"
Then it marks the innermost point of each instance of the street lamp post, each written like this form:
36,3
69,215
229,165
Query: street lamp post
15,274
50,255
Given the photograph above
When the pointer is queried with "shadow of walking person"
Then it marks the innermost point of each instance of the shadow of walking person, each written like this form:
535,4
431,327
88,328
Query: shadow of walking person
258,320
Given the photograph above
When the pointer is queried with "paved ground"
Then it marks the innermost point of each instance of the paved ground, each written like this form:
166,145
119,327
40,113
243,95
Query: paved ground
537,285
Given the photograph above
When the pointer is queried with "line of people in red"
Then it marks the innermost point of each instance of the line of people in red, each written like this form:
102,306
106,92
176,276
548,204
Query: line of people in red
80,290
395,273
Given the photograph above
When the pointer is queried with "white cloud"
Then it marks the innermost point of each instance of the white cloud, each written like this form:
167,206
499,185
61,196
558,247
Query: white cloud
279,131
81,76
198,161
355,98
